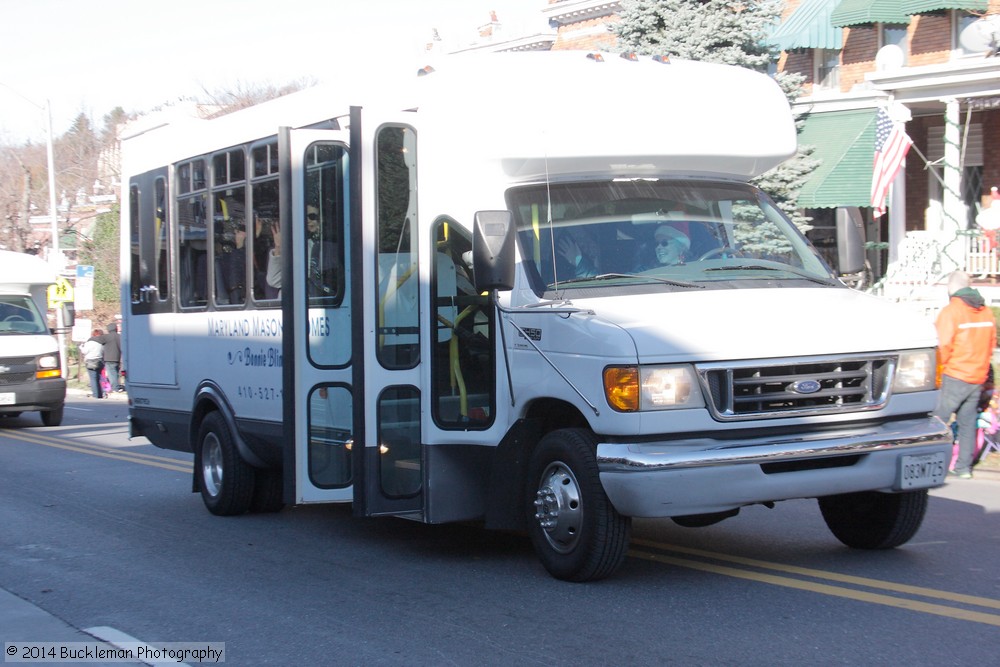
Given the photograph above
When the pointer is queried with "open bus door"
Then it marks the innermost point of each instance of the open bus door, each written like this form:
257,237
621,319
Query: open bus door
315,282
352,327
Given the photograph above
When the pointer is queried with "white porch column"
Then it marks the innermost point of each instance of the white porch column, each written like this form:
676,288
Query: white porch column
897,213
953,219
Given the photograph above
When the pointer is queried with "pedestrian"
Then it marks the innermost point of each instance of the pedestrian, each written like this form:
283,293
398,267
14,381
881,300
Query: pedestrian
112,343
93,358
966,339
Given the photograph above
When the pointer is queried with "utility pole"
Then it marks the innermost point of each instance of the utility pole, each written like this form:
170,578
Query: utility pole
54,258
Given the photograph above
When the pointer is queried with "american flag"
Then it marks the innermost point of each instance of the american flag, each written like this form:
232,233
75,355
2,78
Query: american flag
891,146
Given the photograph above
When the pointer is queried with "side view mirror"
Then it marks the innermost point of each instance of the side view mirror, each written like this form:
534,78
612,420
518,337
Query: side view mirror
493,251
850,240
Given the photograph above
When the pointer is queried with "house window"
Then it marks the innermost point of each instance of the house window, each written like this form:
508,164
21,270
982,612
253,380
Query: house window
975,42
895,34
827,63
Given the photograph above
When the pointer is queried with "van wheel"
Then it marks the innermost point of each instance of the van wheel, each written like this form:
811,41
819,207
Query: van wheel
874,520
267,491
225,479
577,534
52,417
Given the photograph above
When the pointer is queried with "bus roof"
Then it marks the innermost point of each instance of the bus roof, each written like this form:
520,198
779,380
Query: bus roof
537,115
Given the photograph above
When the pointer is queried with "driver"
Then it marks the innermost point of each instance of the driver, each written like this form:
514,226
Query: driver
672,245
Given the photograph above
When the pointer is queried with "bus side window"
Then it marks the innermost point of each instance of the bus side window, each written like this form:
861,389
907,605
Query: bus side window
192,234
135,278
192,253
230,248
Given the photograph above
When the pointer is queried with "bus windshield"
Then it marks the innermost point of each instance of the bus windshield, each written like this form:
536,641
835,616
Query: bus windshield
631,234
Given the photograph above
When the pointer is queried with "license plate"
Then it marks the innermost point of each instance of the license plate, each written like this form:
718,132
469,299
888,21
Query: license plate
7,398
920,471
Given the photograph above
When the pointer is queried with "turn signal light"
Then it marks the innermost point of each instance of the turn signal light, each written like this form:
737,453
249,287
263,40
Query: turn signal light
621,387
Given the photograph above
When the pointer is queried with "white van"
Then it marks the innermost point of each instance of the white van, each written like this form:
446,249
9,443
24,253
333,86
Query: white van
30,365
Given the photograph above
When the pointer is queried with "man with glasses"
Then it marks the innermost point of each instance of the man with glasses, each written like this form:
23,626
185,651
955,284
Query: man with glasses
322,256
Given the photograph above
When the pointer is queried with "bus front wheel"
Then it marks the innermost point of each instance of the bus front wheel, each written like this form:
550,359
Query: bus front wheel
225,479
577,534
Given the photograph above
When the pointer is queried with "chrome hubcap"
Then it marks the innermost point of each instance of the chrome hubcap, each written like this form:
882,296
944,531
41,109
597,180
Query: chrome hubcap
558,507
211,465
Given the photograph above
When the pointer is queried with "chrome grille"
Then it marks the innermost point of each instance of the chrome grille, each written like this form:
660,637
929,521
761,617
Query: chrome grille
796,387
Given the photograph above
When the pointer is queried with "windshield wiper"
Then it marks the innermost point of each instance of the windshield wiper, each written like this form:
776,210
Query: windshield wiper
633,276
761,267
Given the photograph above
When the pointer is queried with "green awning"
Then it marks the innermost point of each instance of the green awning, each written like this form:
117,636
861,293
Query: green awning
924,6
809,27
862,12
845,146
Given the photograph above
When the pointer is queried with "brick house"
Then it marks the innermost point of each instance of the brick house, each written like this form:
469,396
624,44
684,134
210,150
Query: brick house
917,58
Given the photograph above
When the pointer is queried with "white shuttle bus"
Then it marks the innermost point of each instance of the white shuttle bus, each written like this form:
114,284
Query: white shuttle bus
531,290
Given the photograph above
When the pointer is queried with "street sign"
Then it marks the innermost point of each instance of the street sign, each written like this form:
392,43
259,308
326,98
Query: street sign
60,293
84,287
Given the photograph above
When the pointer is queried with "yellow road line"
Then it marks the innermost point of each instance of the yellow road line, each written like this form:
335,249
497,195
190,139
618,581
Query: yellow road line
826,589
104,452
831,576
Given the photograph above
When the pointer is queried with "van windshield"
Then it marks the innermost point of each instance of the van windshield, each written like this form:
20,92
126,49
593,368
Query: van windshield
631,234
18,315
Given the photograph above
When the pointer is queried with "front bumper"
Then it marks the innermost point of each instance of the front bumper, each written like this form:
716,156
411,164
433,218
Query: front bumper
707,475
45,394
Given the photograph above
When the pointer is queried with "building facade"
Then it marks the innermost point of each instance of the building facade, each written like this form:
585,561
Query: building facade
933,64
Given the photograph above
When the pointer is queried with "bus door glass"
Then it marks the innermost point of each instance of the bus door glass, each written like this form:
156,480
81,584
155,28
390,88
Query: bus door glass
150,301
384,161
314,267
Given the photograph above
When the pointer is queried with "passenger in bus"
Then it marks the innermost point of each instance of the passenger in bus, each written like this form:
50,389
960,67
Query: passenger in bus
263,244
232,263
581,252
273,277
323,256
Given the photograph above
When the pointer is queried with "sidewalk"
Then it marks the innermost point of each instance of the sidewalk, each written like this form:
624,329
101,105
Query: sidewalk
22,622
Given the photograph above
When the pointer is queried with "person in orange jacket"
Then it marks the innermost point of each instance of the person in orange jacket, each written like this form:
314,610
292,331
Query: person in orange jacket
967,337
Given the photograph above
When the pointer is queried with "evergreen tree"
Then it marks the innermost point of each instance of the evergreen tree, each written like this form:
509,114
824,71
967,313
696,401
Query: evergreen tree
101,252
730,33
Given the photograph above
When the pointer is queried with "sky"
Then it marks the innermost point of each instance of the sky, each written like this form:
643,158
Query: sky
90,56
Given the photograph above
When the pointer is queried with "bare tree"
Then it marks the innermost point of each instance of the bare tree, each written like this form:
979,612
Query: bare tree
243,94
23,185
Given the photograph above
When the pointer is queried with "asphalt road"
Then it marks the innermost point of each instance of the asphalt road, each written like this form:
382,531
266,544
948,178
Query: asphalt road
104,534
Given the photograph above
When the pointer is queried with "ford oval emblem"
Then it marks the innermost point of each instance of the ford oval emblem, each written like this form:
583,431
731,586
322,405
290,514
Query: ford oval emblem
805,387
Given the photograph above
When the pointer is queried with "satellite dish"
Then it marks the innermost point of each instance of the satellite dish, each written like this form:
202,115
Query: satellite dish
981,35
890,57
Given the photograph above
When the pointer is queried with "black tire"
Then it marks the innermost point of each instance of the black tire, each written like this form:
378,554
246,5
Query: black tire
52,417
267,491
873,520
577,534
226,481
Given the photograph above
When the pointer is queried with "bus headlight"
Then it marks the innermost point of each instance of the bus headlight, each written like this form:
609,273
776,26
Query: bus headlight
916,371
634,388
